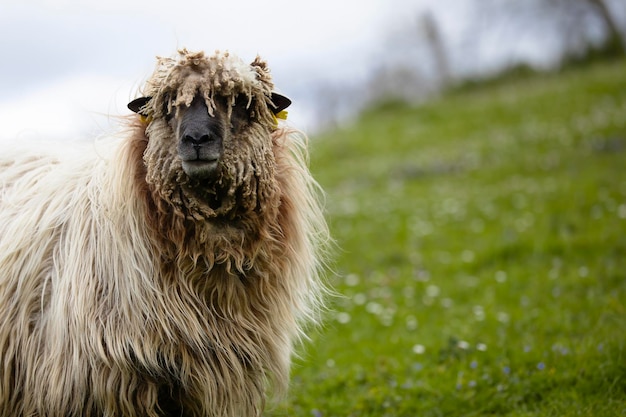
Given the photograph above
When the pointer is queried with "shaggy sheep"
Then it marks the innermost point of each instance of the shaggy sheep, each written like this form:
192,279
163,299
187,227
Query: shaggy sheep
172,275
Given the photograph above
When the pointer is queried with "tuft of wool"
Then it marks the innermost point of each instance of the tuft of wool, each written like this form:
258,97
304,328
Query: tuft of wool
176,81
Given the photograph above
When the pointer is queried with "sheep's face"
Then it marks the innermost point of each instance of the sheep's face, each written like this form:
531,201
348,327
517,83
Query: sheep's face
209,129
204,136
199,138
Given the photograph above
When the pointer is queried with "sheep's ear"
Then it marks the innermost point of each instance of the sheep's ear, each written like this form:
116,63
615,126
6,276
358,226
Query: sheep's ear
279,102
137,104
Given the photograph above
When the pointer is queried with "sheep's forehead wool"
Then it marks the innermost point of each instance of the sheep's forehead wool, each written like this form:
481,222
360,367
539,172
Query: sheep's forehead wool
176,81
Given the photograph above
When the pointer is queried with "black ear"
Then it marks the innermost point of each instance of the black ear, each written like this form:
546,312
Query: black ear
279,102
137,104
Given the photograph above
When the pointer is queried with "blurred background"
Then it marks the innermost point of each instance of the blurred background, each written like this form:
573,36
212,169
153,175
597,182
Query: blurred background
68,65
472,153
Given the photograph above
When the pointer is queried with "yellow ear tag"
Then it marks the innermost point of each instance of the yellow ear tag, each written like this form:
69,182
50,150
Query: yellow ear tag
282,115
145,119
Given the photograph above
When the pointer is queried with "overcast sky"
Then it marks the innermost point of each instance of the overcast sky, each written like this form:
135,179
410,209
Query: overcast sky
67,65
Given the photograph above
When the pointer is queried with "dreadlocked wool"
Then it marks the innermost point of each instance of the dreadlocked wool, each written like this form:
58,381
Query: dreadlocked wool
128,288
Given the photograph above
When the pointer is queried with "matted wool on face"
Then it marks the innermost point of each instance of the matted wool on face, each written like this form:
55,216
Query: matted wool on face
176,81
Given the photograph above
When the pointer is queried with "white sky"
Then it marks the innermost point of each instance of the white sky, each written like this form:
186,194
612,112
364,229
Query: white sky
66,66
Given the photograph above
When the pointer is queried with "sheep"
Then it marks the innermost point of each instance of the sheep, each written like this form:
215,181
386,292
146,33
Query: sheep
170,271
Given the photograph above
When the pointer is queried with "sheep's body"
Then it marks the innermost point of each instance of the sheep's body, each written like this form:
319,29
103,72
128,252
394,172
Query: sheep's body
120,298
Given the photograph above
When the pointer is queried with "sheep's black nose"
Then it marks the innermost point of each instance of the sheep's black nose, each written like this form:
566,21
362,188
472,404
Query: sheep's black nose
198,138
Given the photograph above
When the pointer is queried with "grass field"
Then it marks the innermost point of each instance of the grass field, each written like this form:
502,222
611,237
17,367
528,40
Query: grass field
481,262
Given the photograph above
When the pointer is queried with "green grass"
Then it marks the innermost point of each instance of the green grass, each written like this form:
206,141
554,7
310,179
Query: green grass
481,260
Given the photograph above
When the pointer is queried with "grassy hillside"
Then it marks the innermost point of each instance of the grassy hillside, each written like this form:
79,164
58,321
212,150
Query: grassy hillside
482,255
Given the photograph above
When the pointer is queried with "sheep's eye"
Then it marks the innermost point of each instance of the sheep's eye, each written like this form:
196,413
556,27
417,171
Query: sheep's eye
168,106
240,113
169,114
242,106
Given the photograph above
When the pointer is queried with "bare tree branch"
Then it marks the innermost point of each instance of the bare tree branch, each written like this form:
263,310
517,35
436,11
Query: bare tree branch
614,35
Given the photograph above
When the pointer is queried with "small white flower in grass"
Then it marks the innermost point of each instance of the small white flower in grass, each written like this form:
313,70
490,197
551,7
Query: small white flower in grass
462,344
419,349
481,347
432,291
501,276
503,317
374,308
359,299
411,323
343,317
386,319
479,313
352,280
446,302
467,256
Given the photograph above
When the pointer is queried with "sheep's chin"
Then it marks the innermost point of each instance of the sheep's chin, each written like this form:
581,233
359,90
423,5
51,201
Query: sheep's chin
199,169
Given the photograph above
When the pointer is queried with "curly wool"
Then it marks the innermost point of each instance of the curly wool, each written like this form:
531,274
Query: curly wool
124,293
246,170
176,81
